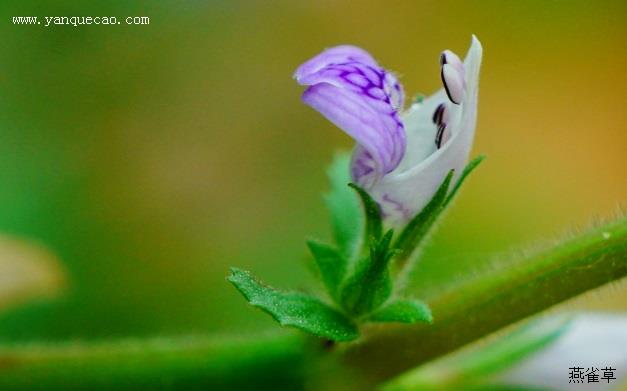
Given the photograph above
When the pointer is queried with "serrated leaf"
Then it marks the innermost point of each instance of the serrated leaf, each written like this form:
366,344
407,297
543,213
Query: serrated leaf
374,224
416,230
403,311
343,204
370,285
331,265
294,309
470,167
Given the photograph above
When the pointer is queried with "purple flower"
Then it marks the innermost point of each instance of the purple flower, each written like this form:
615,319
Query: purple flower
401,157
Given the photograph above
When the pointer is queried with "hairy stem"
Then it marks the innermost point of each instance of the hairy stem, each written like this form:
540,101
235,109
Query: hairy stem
503,295
465,312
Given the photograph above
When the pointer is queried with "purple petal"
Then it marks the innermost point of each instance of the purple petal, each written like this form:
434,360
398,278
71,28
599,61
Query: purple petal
336,55
375,126
349,88
363,168
395,90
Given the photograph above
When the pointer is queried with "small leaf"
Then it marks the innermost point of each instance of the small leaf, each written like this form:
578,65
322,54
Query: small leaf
403,311
381,250
294,309
374,225
331,264
370,284
343,204
470,167
413,234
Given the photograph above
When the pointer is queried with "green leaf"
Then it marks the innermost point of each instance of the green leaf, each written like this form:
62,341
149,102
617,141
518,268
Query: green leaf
294,309
499,296
403,311
470,167
343,204
416,230
374,225
381,249
370,284
474,367
331,264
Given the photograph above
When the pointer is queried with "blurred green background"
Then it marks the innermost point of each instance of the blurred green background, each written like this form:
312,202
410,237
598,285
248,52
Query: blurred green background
148,159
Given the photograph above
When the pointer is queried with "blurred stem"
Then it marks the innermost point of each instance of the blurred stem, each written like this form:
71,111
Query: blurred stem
468,311
474,366
508,292
186,363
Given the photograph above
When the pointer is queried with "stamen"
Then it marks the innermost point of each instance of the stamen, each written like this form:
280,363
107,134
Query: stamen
439,135
438,114
453,83
448,57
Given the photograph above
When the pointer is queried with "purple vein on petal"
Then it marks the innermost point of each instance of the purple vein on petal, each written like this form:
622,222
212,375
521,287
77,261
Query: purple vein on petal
363,100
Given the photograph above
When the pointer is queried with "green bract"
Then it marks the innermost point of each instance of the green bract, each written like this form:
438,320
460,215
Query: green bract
356,269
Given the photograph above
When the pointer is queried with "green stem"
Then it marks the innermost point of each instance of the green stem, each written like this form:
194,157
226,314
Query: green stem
474,366
186,363
497,298
464,313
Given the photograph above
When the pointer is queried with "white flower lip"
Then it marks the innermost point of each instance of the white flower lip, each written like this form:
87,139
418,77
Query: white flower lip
406,190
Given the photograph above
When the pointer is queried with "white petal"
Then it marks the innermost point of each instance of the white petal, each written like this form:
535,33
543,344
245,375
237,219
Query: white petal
593,340
406,190
420,130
